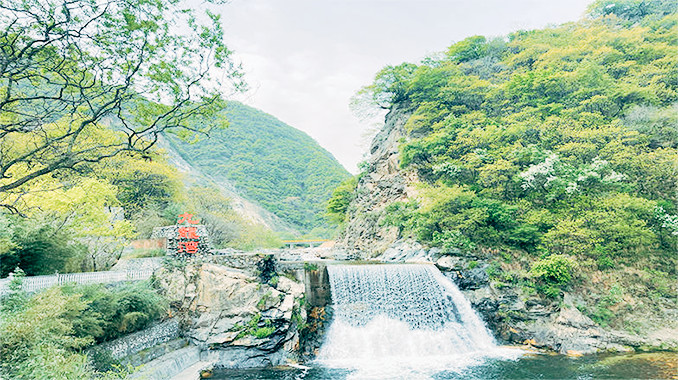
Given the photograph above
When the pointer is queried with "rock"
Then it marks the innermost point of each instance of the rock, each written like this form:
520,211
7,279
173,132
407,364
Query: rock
240,321
286,285
474,278
383,183
570,316
407,251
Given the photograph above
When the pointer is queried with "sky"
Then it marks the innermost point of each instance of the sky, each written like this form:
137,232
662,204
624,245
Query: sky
305,59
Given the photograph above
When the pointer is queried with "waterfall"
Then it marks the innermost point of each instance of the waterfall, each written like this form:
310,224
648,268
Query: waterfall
401,315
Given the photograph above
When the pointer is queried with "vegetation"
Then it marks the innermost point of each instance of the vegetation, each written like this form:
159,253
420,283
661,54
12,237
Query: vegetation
277,166
256,327
547,147
42,336
69,67
337,205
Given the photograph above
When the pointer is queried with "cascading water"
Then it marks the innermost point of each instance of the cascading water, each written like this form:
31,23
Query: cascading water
396,316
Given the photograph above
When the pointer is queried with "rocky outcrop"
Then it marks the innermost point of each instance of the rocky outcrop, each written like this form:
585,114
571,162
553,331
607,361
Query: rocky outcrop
522,318
382,184
235,320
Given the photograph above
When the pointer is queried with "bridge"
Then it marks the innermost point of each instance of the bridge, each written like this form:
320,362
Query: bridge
308,243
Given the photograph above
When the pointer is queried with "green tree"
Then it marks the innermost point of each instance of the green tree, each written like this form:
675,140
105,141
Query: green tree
81,63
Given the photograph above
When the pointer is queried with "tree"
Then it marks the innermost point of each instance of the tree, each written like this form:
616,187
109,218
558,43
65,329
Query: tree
139,66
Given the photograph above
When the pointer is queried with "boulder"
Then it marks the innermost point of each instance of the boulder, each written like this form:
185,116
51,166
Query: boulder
240,321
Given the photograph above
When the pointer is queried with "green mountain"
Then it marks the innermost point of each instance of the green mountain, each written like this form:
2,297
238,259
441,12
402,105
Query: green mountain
279,167
550,152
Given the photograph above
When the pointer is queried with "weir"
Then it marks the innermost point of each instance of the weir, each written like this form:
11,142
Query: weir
400,314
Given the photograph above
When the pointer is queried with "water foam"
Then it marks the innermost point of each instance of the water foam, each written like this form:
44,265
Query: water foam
402,321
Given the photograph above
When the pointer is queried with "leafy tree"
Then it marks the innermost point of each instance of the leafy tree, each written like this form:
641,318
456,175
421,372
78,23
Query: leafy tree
341,198
82,63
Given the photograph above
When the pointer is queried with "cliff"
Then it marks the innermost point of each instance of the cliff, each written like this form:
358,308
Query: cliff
382,184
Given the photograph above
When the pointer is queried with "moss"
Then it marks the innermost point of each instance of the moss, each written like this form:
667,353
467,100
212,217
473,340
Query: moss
263,332
310,266
264,299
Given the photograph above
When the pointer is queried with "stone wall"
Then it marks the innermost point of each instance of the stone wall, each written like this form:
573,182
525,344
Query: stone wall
133,343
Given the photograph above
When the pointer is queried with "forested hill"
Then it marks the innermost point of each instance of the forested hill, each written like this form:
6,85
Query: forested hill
554,148
280,167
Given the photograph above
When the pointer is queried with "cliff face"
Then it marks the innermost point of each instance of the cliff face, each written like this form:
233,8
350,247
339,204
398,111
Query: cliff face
233,318
382,184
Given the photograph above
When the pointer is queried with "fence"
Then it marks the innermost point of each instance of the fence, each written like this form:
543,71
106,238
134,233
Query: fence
34,283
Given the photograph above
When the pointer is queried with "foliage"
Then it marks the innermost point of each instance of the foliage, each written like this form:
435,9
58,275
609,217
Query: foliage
341,198
38,340
277,166
552,139
41,336
39,248
256,327
69,67
71,225
554,269
558,143
116,311
142,183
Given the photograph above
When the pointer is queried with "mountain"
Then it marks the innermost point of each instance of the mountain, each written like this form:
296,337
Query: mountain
268,162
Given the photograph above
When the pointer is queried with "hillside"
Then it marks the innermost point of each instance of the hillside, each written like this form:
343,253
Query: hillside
279,167
546,158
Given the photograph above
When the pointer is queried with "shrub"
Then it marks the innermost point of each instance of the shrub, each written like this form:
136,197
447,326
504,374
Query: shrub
37,339
115,311
555,269
449,240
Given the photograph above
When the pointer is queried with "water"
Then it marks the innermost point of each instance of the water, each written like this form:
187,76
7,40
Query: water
410,322
402,318
632,366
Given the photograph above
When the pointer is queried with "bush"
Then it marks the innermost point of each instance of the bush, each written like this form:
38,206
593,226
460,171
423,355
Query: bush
449,240
555,269
39,249
116,311
37,339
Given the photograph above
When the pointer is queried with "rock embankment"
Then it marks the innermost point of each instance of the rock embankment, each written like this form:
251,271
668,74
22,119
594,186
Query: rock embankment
233,318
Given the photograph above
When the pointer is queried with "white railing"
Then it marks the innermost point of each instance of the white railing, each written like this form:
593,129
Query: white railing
34,283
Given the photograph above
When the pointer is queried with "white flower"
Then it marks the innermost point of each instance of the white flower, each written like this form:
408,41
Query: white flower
571,187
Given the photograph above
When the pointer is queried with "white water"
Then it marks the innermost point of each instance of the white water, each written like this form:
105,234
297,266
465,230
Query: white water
402,321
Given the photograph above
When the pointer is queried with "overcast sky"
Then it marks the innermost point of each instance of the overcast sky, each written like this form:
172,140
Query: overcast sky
304,59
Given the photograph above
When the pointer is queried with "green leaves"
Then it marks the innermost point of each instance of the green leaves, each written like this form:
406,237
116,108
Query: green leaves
84,62
554,270
559,141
